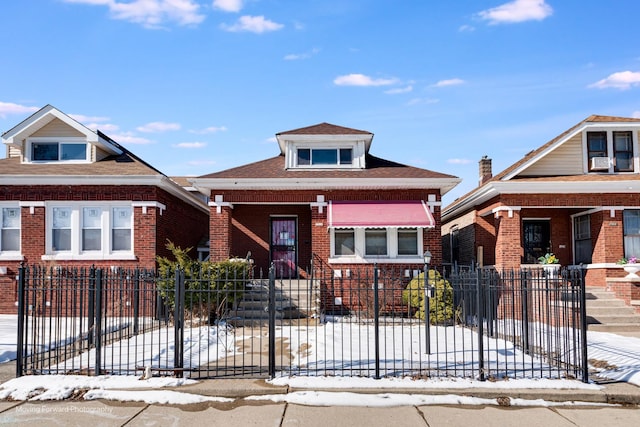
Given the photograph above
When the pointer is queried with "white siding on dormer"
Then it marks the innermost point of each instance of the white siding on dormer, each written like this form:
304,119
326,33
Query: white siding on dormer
57,128
567,159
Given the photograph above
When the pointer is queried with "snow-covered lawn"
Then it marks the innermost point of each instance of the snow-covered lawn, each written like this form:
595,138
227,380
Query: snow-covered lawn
616,357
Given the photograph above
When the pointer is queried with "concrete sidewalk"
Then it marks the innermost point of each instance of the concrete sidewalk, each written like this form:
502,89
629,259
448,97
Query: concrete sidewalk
250,413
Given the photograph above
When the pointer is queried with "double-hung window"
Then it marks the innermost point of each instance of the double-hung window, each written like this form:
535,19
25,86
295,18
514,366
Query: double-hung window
89,231
375,242
582,239
631,227
610,151
10,231
623,151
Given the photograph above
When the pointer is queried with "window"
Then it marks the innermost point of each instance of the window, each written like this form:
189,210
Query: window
325,156
10,231
58,151
623,151
358,244
596,147
631,220
582,239
89,231
344,242
610,151
375,242
121,238
408,242
61,229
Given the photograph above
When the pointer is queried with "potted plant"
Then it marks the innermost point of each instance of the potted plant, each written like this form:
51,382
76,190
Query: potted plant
631,266
550,264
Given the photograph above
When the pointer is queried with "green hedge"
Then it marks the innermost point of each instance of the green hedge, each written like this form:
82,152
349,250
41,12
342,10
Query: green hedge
441,309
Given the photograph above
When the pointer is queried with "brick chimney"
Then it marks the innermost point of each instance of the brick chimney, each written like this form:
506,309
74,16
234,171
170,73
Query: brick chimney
485,169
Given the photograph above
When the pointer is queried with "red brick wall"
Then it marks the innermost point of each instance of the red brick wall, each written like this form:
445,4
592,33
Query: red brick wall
184,224
247,227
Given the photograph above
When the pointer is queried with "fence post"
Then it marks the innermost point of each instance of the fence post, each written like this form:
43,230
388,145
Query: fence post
91,304
376,321
525,310
178,318
583,319
479,311
136,300
271,307
21,321
98,324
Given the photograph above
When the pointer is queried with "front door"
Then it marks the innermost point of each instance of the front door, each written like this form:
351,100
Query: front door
536,240
283,246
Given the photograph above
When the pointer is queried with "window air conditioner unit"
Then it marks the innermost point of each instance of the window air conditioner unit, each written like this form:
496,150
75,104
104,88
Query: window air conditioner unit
599,163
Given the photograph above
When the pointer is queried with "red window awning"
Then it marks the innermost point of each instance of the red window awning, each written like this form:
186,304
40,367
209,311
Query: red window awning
380,214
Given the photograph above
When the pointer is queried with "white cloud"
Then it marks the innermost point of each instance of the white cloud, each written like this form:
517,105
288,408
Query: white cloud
636,115
104,127
7,108
210,129
466,29
449,82
191,145
399,90
620,80
459,161
252,24
130,138
517,11
306,55
155,127
151,13
84,119
361,80
417,101
228,5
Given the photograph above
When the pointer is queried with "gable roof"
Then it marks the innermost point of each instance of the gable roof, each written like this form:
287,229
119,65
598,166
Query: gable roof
493,187
44,116
120,167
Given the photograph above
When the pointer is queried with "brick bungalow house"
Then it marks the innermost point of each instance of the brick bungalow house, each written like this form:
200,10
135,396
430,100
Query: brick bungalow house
71,196
326,196
577,196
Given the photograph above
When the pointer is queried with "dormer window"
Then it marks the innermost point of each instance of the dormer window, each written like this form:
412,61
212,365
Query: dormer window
325,156
610,151
47,150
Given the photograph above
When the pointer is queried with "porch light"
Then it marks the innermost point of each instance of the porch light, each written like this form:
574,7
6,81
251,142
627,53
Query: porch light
427,257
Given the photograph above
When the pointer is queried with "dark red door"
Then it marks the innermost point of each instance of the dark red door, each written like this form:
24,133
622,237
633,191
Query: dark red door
283,246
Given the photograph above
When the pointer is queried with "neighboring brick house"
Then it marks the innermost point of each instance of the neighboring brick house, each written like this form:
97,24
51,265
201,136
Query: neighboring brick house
325,195
74,197
577,196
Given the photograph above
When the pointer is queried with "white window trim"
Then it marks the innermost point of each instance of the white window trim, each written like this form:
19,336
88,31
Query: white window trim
59,140
11,255
610,152
357,152
359,256
76,252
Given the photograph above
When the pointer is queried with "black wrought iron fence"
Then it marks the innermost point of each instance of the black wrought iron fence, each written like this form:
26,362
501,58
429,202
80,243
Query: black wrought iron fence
361,322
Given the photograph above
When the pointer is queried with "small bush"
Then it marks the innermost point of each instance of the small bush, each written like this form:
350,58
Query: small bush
227,280
441,309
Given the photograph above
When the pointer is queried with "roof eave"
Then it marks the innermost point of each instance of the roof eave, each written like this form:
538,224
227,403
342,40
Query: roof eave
443,184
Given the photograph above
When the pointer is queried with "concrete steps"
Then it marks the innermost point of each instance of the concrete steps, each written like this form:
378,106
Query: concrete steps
606,313
293,301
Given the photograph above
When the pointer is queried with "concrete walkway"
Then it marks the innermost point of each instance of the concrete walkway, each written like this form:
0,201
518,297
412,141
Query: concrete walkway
242,412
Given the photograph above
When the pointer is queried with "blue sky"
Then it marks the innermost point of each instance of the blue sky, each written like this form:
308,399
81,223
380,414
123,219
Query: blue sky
198,86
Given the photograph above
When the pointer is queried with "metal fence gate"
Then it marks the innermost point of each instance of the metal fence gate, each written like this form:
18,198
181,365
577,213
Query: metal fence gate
371,322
